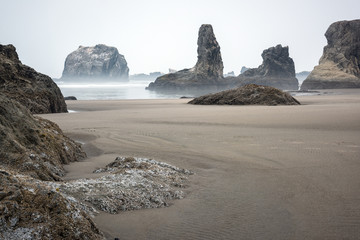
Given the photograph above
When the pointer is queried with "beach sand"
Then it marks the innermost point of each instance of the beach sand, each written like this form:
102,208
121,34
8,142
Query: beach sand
261,172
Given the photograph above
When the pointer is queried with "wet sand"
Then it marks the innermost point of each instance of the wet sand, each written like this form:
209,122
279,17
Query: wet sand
262,172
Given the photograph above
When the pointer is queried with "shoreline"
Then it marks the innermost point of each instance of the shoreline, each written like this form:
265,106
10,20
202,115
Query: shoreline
260,171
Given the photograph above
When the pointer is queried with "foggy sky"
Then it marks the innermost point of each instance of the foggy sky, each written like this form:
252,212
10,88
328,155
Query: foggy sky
161,34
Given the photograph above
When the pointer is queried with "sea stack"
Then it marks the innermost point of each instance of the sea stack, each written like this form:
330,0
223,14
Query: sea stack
36,91
207,73
277,70
102,63
339,66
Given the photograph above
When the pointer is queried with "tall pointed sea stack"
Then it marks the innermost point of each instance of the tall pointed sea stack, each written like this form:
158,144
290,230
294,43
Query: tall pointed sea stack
209,63
339,66
207,73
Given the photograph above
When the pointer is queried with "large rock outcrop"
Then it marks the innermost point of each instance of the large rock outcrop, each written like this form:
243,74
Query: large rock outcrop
277,70
34,90
207,73
29,209
32,145
251,94
339,66
95,63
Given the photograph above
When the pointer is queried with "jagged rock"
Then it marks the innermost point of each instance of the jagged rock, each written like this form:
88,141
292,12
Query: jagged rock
33,145
277,70
29,209
208,71
251,94
97,63
34,90
339,66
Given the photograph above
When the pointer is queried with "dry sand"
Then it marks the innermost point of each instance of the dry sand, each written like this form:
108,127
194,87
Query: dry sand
279,172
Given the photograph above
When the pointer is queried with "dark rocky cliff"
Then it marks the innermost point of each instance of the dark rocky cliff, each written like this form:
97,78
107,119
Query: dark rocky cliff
34,90
29,209
33,145
339,66
95,63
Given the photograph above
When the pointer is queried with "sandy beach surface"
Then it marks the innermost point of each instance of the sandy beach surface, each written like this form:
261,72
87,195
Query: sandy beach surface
261,172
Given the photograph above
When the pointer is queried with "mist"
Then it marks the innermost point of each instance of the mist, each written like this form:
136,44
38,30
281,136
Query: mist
158,35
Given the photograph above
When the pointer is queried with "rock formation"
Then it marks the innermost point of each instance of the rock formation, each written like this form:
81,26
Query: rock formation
339,66
208,71
251,94
97,63
34,90
32,145
29,209
128,184
33,149
142,76
70,98
277,70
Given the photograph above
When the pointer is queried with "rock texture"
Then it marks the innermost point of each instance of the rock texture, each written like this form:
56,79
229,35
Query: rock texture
100,63
34,90
339,66
277,70
251,94
208,71
32,145
29,209
128,184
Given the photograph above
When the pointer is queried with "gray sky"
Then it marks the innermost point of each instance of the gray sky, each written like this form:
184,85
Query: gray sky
161,34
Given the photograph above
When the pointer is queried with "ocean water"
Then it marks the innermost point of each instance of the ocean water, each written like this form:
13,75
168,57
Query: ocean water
112,91
129,90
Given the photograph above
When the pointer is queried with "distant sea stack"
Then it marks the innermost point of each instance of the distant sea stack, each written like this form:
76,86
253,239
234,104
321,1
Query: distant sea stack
277,70
339,66
208,71
36,91
101,63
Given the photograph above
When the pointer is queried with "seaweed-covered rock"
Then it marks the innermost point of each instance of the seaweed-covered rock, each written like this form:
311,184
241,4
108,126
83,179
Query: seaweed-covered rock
95,63
277,70
29,209
34,90
33,145
207,73
251,94
339,66
130,184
